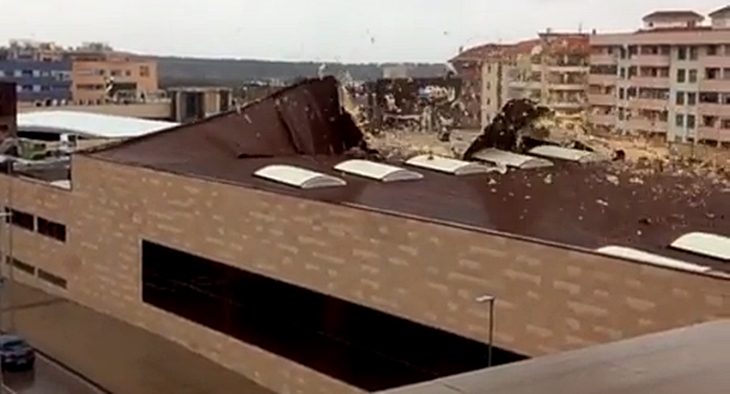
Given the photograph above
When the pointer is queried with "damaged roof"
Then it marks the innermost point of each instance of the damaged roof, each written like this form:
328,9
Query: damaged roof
588,206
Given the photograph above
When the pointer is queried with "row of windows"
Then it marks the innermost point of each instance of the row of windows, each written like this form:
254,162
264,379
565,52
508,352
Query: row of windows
41,274
692,52
40,88
58,74
30,222
144,71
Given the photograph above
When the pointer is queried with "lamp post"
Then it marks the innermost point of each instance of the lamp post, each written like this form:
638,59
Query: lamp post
488,299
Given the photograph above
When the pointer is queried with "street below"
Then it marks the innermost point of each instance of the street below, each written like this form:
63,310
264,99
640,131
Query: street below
47,378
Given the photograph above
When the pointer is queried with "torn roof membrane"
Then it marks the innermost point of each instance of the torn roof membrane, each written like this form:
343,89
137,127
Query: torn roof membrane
303,126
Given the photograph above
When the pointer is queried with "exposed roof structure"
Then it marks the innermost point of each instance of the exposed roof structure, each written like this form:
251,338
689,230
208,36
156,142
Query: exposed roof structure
582,205
88,125
669,15
685,360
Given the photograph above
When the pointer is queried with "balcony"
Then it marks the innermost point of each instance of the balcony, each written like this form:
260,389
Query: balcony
562,104
576,69
602,99
714,85
602,120
713,134
649,104
714,109
566,86
715,61
602,79
602,59
651,60
647,125
651,82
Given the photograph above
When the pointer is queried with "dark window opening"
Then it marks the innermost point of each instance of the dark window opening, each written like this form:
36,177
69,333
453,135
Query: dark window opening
51,278
20,219
27,268
363,347
51,229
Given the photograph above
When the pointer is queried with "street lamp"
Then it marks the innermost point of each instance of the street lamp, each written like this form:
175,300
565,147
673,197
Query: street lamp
489,300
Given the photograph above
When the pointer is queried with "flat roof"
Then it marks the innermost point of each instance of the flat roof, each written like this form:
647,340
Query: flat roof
88,124
691,359
584,205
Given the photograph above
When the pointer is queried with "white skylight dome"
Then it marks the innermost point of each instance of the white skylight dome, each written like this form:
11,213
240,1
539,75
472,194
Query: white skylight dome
706,244
378,171
510,159
568,154
447,165
650,258
298,177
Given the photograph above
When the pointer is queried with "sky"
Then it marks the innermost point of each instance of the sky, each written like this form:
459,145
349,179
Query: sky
318,30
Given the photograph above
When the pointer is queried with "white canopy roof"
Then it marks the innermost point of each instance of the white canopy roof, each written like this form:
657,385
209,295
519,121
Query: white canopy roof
88,125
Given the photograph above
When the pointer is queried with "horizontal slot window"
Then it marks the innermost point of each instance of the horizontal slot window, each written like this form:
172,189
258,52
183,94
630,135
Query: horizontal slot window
51,229
20,219
25,267
51,278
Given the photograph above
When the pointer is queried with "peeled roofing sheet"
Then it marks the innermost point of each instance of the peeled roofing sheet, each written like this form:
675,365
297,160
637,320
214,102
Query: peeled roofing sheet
650,258
89,125
706,244
510,159
561,153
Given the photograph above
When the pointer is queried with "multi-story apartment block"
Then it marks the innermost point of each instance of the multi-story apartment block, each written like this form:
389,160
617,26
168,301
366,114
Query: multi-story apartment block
551,70
670,79
38,70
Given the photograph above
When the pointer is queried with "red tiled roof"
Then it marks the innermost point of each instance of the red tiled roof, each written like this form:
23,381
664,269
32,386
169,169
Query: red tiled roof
480,53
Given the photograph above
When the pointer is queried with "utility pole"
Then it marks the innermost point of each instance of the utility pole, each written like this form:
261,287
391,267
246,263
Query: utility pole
489,300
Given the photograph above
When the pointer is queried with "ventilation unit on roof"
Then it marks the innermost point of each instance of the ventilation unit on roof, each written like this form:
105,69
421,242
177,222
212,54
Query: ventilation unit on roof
447,165
298,177
706,244
510,159
650,258
561,153
379,171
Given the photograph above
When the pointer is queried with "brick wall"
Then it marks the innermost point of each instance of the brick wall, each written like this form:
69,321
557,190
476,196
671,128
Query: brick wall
548,299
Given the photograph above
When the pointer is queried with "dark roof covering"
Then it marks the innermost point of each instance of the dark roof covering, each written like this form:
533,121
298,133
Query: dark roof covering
672,15
579,205
720,12
686,360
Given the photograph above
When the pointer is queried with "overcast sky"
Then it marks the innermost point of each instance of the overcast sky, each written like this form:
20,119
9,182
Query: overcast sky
320,30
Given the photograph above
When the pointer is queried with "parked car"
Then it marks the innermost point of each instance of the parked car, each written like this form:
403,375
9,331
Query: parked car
16,353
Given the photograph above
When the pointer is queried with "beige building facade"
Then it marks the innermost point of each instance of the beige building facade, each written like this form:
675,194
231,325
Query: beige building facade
93,71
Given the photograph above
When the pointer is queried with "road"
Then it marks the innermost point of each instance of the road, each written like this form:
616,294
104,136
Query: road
48,378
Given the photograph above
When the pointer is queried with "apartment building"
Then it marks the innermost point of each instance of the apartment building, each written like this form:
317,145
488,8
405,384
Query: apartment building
669,80
38,70
95,72
551,70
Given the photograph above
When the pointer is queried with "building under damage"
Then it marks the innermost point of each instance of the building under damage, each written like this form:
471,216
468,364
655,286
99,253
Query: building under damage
274,240
551,70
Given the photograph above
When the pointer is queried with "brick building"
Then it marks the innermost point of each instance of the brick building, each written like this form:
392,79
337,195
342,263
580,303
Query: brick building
199,234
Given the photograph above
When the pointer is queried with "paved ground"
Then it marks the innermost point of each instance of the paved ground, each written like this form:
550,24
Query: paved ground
121,358
48,378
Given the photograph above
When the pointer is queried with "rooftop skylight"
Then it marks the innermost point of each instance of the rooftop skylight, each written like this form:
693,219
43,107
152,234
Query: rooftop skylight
650,258
298,177
447,165
378,171
706,244
561,153
510,159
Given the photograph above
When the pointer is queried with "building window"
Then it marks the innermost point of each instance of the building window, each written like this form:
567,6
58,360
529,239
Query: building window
52,279
692,76
623,73
691,98
690,122
27,268
712,50
679,99
693,53
679,120
621,93
144,71
681,75
712,73
20,219
51,229
682,53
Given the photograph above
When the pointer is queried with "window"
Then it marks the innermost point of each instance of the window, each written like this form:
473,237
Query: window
712,73
712,50
623,73
690,122
621,93
51,278
693,53
21,219
691,98
692,77
144,71
27,268
679,100
679,120
681,75
288,320
51,229
682,53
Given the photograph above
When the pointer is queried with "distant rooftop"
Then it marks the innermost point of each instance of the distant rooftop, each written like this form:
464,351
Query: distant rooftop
584,205
88,125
